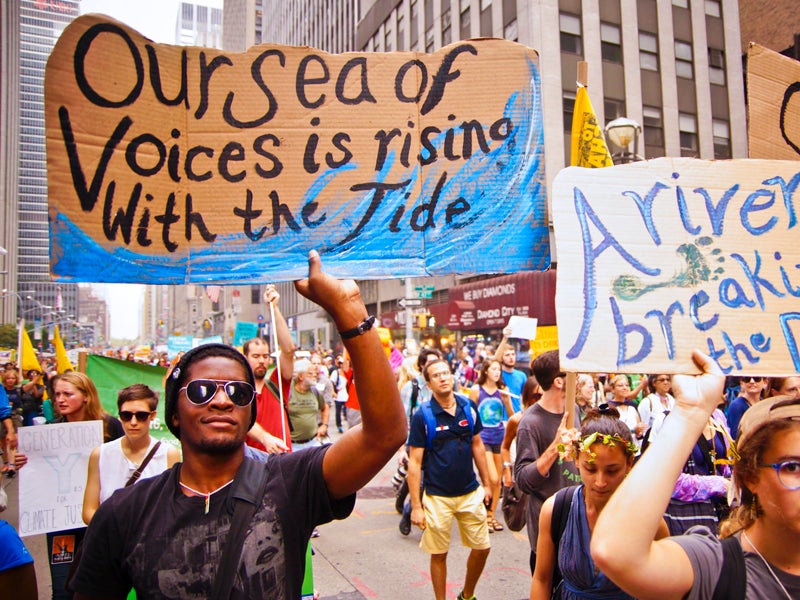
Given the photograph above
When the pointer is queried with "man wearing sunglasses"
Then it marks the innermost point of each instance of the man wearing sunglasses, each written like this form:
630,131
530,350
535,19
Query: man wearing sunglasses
751,390
166,536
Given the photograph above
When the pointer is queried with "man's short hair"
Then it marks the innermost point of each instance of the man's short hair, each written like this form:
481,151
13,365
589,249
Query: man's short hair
256,341
430,364
137,391
422,359
546,368
178,375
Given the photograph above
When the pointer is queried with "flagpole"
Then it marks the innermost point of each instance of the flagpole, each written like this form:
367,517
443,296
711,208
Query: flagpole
19,346
569,408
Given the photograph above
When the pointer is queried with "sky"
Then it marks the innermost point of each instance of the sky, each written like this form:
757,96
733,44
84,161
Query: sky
154,19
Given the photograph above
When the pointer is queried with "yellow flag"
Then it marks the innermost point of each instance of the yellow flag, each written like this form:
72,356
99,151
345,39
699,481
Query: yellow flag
62,361
589,147
27,355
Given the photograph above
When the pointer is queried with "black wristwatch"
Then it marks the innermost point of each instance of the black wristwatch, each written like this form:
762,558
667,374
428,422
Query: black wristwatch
359,329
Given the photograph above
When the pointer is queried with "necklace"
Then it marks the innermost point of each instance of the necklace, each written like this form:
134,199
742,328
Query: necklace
205,495
769,568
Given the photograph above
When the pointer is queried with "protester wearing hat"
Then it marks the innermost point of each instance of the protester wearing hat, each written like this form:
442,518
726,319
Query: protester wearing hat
170,536
764,527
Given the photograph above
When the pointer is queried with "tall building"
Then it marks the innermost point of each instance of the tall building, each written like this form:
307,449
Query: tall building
40,23
9,157
199,24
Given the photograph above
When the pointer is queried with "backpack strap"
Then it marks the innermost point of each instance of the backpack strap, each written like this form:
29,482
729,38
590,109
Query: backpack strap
274,391
732,581
466,406
558,523
430,423
246,495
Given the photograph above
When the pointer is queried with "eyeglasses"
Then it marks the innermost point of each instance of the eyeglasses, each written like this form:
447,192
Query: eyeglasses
751,379
788,473
440,375
127,415
201,391
663,380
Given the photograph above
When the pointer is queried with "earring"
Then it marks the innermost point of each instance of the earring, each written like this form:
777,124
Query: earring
753,509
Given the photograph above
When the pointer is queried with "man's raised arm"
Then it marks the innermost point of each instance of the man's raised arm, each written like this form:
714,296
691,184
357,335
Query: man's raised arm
358,456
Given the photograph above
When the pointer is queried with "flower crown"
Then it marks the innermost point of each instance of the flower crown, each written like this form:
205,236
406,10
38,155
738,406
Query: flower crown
572,445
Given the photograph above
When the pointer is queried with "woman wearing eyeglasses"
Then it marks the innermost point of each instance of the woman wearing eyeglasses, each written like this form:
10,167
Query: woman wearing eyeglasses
751,390
765,527
112,465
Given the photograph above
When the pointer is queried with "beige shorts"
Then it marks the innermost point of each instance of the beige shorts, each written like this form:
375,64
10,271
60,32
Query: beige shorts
470,514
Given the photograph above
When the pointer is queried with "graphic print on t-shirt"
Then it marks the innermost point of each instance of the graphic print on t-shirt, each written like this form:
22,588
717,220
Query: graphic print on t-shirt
491,411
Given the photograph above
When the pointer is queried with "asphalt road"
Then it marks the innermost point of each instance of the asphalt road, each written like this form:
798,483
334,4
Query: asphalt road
366,557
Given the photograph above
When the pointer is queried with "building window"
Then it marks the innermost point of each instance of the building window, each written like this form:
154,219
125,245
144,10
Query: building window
681,3
570,33
613,109
569,108
611,42
387,36
688,128
716,66
713,8
414,24
486,18
464,21
683,60
401,33
510,31
648,51
447,35
187,13
653,126
722,138
429,41
255,294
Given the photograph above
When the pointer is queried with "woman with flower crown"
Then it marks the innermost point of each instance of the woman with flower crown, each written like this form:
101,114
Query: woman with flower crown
604,451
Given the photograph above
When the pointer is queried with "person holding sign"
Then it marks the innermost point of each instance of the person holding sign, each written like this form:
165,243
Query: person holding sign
763,532
124,461
76,399
219,524
538,470
271,431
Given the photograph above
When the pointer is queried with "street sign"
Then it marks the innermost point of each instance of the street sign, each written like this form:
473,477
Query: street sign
423,291
408,302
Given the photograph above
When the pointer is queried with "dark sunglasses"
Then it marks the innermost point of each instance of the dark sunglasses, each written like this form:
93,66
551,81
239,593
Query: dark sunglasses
127,415
751,379
662,379
201,391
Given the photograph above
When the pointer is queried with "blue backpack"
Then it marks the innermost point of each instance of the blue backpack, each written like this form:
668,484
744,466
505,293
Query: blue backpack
430,420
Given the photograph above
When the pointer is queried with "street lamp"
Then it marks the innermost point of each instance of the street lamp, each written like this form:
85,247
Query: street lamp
621,132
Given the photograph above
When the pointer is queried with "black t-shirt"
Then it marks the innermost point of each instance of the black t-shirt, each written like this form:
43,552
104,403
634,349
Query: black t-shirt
153,538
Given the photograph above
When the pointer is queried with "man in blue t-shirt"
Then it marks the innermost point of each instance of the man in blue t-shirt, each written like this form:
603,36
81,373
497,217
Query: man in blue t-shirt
512,377
450,487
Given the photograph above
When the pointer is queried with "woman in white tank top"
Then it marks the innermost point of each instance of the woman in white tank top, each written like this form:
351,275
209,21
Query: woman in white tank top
112,464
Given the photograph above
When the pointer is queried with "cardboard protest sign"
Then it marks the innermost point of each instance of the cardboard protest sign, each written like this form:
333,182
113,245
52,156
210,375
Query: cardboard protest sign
658,258
773,104
175,164
51,485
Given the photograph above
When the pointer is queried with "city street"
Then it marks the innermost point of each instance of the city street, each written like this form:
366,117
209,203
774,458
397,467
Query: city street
365,556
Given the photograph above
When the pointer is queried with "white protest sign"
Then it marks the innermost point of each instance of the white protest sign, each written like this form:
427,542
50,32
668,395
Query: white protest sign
523,328
52,483
657,258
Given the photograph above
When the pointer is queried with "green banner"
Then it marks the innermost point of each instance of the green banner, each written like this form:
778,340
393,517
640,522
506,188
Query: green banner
110,375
